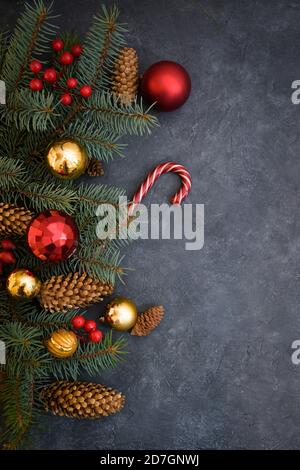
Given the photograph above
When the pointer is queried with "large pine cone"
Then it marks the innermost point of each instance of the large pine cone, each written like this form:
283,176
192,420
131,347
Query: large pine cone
125,76
13,219
81,399
148,321
62,293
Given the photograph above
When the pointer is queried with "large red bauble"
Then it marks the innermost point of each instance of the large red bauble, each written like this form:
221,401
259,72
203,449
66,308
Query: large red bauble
52,236
166,83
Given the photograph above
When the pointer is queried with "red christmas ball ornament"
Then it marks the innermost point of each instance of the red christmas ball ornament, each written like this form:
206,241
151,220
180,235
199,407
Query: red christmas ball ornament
166,83
78,321
36,84
90,325
57,44
8,245
50,75
77,50
86,91
66,58
52,236
72,82
66,99
96,336
7,257
35,66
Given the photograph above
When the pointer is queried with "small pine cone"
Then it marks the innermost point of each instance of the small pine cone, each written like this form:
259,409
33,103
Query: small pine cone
95,168
81,399
62,293
13,219
148,321
125,76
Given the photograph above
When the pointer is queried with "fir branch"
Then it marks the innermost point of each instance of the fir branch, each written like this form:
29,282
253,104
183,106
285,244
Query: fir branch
32,35
107,110
99,143
103,42
30,111
12,173
49,196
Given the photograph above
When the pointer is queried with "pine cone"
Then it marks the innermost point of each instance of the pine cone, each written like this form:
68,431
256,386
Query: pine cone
81,399
148,321
125,76
95,168
14,219
62,293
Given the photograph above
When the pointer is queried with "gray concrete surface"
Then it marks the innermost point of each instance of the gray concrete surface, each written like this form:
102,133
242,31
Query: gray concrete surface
218,372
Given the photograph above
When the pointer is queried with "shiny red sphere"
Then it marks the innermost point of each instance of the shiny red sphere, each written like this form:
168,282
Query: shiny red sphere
35,66
76,50
96,336
66,58
72,82
57,45
78,321
50,75
36,84
86,91
90,325
166,83
52,236
66,99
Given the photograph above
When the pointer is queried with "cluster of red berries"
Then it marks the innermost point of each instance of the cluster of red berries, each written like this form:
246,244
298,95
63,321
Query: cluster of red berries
51,75
89,326
6,253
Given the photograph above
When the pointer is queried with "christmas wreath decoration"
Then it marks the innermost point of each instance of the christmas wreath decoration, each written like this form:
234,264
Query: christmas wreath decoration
66,107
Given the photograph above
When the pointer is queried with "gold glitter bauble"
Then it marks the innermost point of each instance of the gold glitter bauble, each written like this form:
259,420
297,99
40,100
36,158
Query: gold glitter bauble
62,343
67,159
121,314
23,284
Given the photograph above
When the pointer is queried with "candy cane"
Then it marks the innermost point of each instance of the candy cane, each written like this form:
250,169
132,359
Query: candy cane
154,175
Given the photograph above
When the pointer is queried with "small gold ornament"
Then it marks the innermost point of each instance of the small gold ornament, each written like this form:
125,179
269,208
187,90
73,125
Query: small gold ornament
67,159
121,314
62,343
23,284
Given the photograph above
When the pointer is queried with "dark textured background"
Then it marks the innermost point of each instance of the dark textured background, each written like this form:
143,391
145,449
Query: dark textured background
217,373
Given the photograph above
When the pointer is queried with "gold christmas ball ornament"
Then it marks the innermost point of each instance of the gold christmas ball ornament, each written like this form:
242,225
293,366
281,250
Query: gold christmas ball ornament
121,314
62,343
23,284
67,159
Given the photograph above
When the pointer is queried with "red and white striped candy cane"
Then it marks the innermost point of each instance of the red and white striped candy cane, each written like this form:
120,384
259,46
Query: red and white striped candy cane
154,175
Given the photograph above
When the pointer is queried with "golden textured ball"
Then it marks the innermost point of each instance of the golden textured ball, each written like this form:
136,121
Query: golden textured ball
121,314
67,159
62,343
23,284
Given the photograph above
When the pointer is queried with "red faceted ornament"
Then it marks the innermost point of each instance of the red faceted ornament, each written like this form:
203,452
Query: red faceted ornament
166,83
52,236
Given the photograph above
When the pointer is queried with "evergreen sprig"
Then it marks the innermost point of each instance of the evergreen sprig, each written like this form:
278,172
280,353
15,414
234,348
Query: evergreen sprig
29,123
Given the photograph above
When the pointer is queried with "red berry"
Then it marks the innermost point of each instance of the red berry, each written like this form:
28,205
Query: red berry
86,91
66,58
35,66
77,50
50,75
72,82
57,45
7,257
36,84
8,245
78,321
96,336
66,99
90,325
